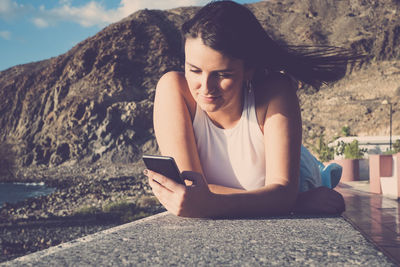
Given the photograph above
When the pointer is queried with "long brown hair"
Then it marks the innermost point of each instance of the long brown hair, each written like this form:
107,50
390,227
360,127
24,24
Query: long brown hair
232,29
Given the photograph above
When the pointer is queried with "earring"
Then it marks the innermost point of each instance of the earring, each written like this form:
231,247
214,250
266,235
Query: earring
249,85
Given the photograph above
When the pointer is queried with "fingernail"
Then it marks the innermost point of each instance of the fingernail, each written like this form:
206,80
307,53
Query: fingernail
146,171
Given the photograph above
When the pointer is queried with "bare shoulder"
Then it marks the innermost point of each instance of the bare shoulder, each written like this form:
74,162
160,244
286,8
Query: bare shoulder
172,77
275,86
174,83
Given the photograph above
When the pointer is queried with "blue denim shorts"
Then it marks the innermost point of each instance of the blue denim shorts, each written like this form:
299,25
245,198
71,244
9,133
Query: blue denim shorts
315,174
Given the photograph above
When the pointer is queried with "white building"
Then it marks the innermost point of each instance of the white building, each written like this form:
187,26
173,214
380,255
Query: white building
374,144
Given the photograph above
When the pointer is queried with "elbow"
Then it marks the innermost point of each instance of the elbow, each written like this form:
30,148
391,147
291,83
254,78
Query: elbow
289,206
291,196
286,196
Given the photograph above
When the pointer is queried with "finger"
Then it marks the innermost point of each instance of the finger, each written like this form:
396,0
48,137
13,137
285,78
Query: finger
166,182
156,185
163,194
188,182
159,191
195,177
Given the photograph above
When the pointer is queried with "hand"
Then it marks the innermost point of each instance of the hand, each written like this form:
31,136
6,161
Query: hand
187,201
320,200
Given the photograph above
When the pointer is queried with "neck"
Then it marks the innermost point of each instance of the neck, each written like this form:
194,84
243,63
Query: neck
229,116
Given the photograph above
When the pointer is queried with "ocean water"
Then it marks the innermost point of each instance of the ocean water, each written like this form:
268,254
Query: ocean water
14,192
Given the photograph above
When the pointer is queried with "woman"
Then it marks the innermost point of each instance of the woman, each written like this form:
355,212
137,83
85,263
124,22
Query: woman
232,120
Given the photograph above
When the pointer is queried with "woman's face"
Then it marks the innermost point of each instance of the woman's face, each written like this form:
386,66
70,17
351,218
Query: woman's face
215,80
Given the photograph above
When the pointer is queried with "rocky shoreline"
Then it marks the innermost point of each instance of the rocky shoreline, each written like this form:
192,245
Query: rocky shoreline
87,199
73,120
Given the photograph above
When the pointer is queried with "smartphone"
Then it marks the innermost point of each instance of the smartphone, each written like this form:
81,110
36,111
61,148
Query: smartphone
163,165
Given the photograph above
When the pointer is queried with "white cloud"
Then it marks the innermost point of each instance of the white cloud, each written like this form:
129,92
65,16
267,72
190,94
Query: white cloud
129,6
95,14
5,35
10,9
40,22
7,6
65,2
91,14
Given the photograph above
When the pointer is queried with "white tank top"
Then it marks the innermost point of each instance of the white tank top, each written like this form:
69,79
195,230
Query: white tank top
232,157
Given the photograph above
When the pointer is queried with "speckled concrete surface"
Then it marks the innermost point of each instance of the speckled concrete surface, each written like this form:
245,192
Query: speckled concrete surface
165,239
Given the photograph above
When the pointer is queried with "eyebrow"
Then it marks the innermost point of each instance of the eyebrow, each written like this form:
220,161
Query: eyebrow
222,70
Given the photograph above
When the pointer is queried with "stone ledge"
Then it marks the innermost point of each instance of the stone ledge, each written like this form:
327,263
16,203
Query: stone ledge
165,239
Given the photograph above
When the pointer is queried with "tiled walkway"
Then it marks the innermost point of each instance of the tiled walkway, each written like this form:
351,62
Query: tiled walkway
376,217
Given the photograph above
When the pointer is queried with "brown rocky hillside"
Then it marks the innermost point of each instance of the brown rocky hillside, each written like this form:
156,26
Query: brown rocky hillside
94,103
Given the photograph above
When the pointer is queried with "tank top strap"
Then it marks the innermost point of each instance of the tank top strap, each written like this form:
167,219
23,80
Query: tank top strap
198,115
252,120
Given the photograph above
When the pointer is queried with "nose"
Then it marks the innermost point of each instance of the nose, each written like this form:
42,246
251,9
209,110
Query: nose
208,84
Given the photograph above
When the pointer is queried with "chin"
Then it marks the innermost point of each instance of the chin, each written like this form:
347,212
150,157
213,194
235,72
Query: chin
208,107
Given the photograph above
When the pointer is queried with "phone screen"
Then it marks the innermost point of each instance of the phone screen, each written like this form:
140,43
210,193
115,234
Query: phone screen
163,165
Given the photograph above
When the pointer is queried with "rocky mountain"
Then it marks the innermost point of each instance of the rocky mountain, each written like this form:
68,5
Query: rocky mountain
94,103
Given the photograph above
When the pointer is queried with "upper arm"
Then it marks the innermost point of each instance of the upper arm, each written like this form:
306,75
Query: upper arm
172,121
282,134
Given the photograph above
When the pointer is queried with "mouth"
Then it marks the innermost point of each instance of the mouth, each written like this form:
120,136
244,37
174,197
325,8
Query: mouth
208,98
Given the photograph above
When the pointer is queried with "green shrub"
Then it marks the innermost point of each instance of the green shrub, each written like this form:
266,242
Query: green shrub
350,150
124,211
346,131
389,152
395,148
147,201
118,207
87,211
121,211
324,152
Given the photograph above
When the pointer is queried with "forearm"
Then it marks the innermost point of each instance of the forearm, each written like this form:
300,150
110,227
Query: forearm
320,200
219,189
301,200
271,200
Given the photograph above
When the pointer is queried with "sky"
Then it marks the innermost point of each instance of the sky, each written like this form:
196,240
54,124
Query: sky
33,30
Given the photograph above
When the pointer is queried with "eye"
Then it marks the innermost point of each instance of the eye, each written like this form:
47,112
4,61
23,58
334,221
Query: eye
224,75
195,70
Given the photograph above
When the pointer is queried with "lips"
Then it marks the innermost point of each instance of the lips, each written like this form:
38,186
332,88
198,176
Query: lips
208,98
